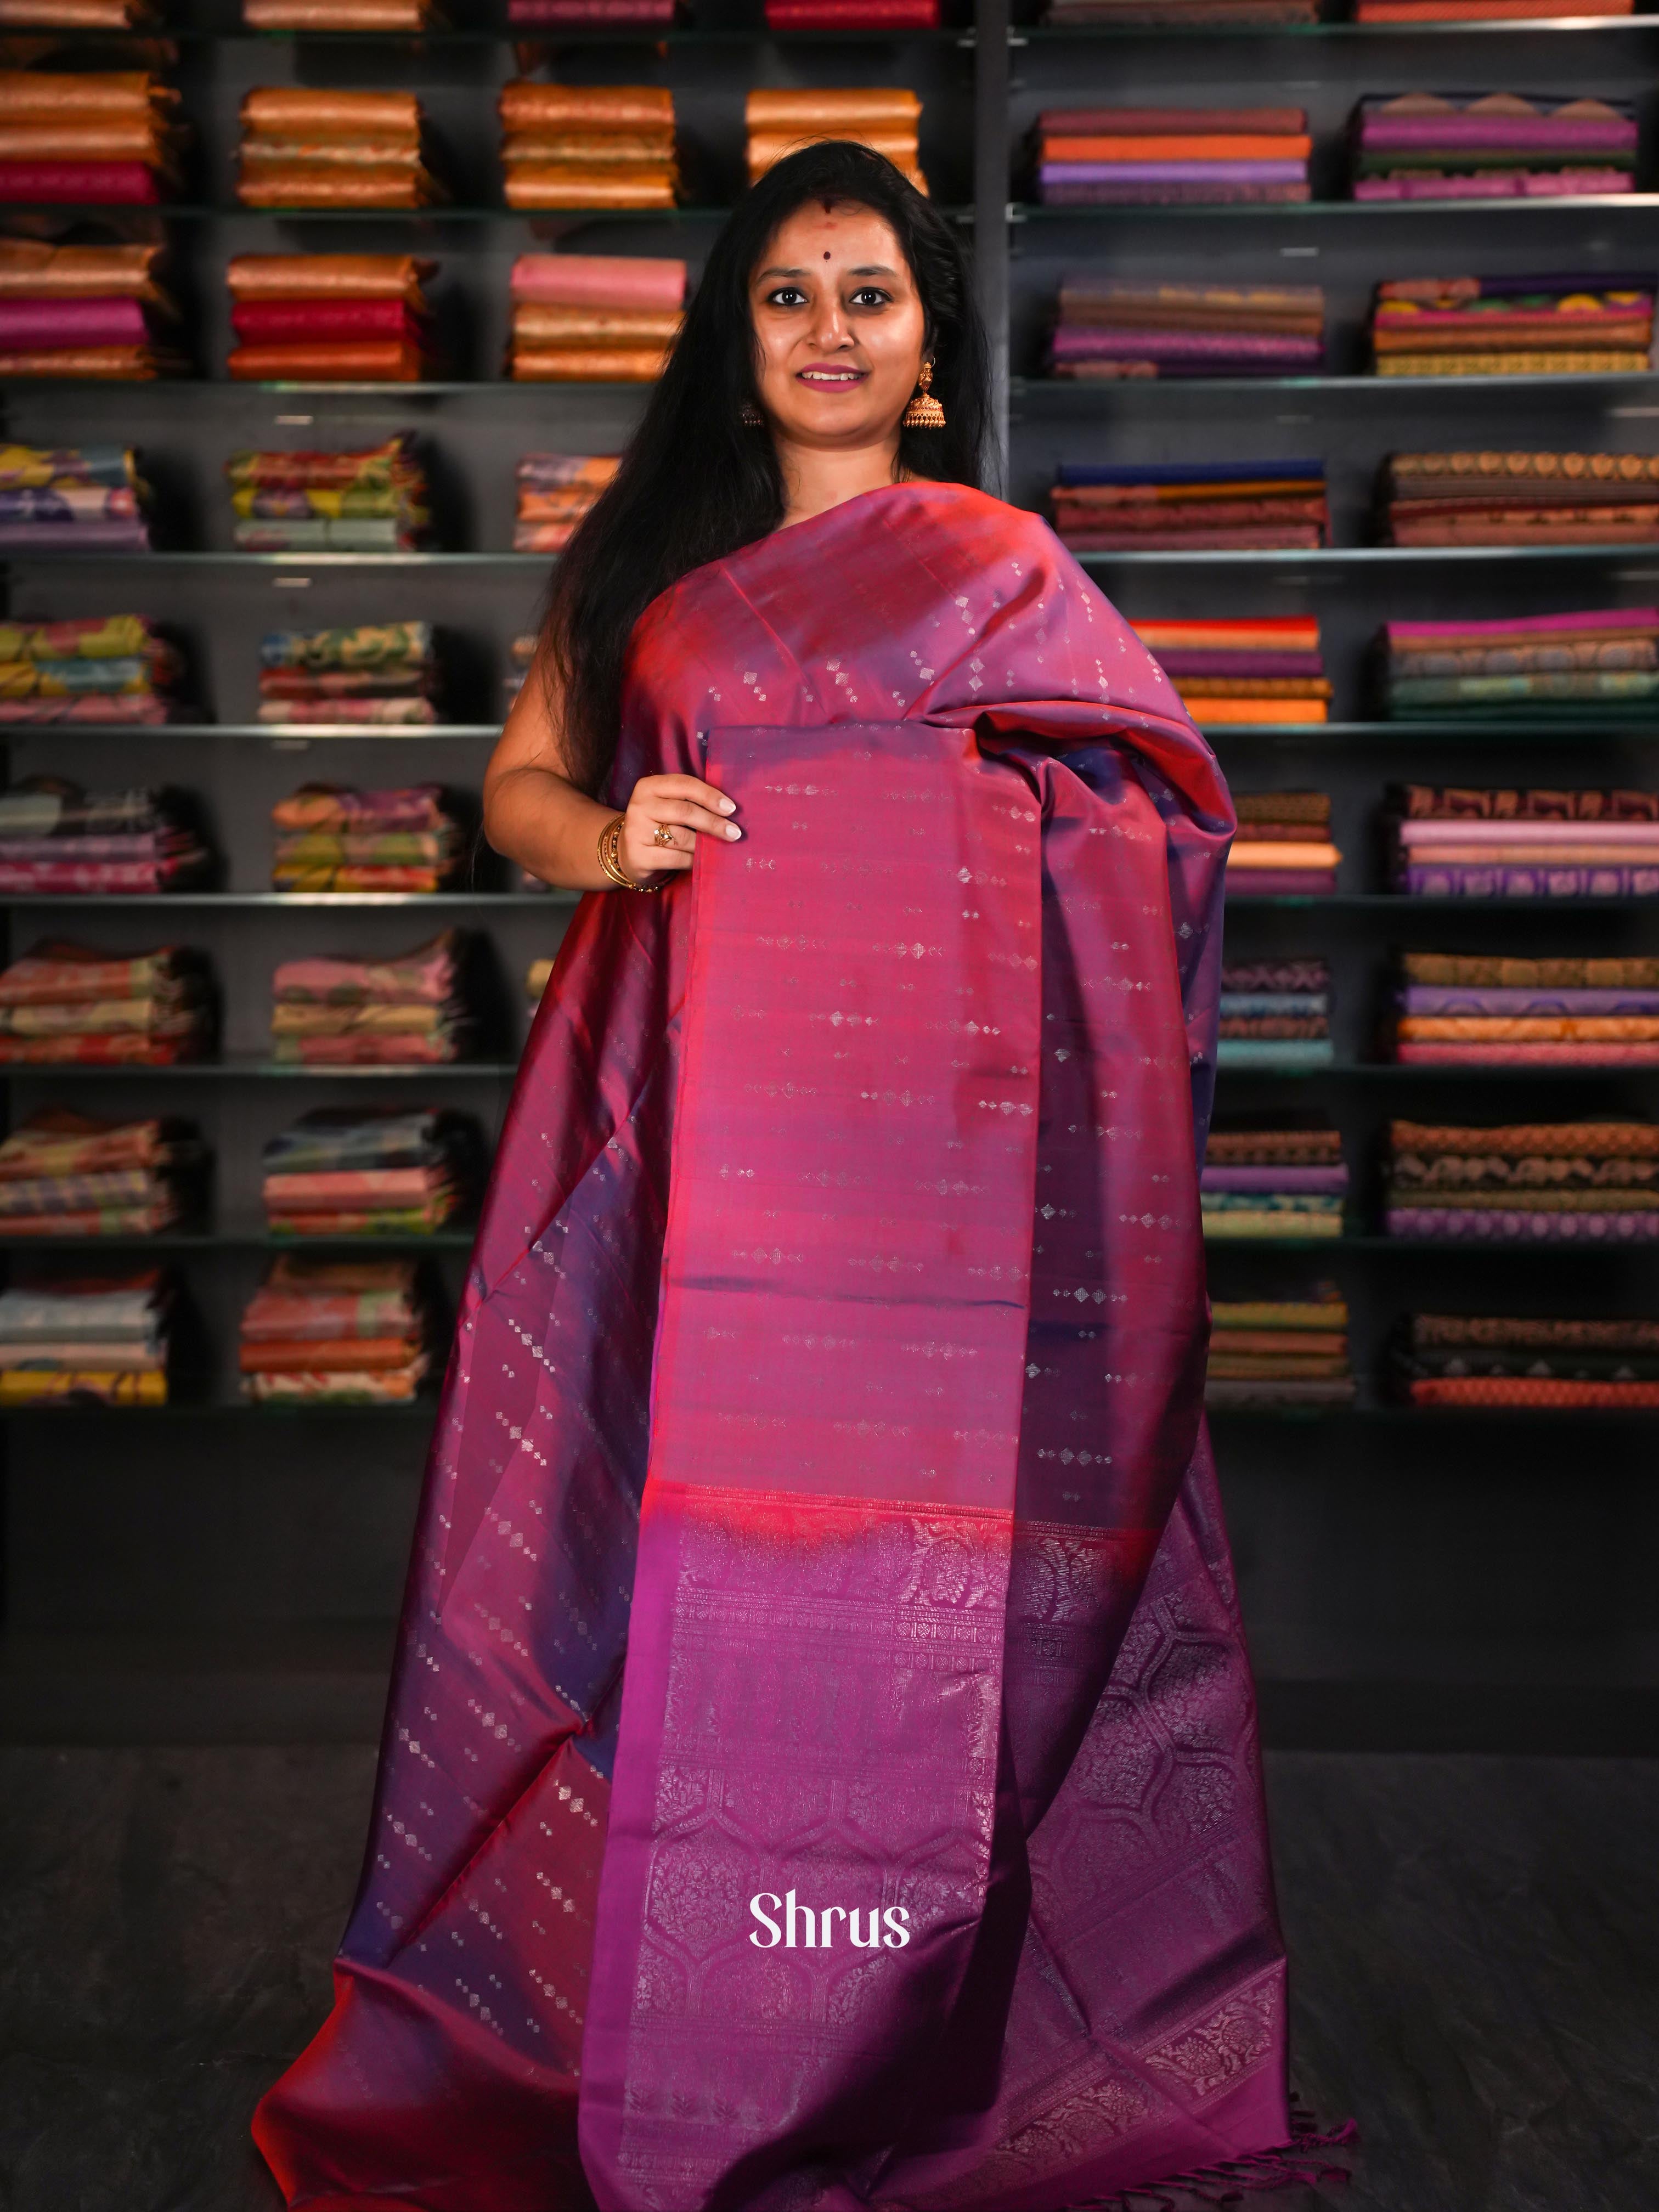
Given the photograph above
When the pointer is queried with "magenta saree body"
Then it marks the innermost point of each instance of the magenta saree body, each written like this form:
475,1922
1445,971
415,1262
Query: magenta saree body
821,1769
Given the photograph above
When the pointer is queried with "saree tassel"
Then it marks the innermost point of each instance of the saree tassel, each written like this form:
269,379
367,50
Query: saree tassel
1289,2167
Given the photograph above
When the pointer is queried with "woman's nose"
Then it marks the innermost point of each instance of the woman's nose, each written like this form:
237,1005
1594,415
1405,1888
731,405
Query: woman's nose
829,325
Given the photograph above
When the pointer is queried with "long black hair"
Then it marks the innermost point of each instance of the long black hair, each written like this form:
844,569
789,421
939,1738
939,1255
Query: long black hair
696,482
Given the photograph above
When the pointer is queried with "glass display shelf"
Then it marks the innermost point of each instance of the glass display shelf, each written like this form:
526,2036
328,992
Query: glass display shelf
1398,902
1396,1070
249,1236
1043,34
254,1067
1298,211
1328,557
153,901
493,212
278,733
1075,393
219,1404
574,35
161,557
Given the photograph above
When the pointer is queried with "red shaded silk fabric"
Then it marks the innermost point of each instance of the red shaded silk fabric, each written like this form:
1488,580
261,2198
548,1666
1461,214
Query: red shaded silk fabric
820,1501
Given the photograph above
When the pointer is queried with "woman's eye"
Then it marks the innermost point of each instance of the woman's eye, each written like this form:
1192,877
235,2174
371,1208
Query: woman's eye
870,295
786,295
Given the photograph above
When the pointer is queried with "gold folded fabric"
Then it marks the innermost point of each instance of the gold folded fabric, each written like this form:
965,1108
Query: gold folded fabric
525,106
330,277
831,109
290,111
588,146
587,364
100,138
573,326
386,149
337,15
108,364
1582,364
766,147
31,269
563,184
73,15
342,362
907,169
299,184
30,95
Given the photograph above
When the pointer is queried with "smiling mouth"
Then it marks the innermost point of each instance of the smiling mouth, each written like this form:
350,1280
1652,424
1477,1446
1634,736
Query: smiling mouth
831,379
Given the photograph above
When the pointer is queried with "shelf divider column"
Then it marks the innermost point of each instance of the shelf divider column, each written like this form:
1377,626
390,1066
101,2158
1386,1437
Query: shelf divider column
992,28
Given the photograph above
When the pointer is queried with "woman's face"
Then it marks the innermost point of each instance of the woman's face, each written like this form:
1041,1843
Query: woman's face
839,323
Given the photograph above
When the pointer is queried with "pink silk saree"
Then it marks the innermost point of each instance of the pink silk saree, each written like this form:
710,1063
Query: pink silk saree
822,1536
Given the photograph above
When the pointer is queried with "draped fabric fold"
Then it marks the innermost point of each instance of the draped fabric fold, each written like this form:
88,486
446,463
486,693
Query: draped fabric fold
821,1767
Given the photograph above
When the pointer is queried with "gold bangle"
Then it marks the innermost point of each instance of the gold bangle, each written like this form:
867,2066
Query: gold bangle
610,857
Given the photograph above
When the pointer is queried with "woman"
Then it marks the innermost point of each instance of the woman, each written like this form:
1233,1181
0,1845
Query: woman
821,1769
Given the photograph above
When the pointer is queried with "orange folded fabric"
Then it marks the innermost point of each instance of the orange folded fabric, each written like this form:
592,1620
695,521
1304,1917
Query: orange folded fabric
370,185
573,327
291,110
330,276
828,110
585,148
73,15
587,364
113,364
28,95
326,1355
31,269
1209,146
526,107
563,185
337,15
96,138
357,362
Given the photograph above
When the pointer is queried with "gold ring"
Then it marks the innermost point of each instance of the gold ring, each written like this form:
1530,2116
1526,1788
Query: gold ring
662,834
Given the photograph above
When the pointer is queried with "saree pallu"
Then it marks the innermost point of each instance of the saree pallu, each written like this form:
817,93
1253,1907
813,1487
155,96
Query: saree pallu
840,1296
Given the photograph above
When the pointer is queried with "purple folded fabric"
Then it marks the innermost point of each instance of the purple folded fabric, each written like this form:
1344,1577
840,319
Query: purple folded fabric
1280,883
1072,343
143,845
74,538
1436,133
1174,173
37,326
1497,1225
1448,880
1241,664
1283,1179
1527,185
1448,998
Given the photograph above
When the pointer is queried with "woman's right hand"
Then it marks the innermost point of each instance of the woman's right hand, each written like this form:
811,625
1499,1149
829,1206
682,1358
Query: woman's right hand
686,808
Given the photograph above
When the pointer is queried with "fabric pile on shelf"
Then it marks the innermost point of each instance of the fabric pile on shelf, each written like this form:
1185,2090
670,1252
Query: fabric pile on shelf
331,838
1109,329
521,653
1283,847
1565,1182
576,15
554,492
1271,1355
1178,15
85,1337
71,500
593,317
1274,1175
538,975
1520,499
303,147
852,15
1491,1010
375,500
380,15
1449,842
1532,665
1259,671
886,118
65,1004
1275,1014
55,837
329,318
378,673
1489,145
88,668
336,1332
368,1171
1478,11
89,137
343,1012
1512,1360
1191,506
65,1174
77,15
1580,325
588,145
1171,156
85,311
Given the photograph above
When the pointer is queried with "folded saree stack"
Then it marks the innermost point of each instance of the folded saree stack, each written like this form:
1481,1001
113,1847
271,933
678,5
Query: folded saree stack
375,500
1493,1009
1179,15
1531,665
1171,156
593,317
1489,145
1496,1361
92,136
77,15
1588,325
538,976
520,653
1196,506
1272,1354
1258,672
1478,11
88,668
884,117
1567,1183
1449,842
555,491
63,1173
72,499
1272,1177
101,1338
377,674
344,1012
384,15
588,145
85,311
1283,849
1109,329
55,837
66,1005
1521,499
329,318
852,15
303,147
1275,1014
359,1171
331,838
336,1332
593,15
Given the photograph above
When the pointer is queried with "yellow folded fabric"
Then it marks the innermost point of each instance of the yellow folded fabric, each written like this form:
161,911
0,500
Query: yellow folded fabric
290,111
563,184
526,106
1268,852
832,109
1511,364
573,327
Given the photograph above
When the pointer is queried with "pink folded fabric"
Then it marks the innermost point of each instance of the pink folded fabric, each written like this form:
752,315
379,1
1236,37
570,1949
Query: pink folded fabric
599,280
30,325
80,183
303,322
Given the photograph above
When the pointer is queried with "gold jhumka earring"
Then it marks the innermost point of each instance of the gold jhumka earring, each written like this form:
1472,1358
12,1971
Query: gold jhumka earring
750,415
924,412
